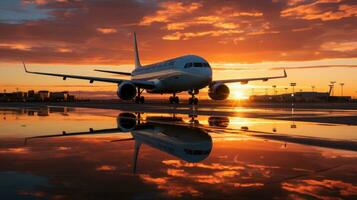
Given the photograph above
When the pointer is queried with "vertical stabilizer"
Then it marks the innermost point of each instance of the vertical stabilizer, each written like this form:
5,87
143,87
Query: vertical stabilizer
137,60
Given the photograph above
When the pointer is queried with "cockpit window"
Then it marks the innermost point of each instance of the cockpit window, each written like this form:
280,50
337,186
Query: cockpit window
197,64
188,65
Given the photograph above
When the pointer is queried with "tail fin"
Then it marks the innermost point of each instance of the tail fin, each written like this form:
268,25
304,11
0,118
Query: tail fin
137,60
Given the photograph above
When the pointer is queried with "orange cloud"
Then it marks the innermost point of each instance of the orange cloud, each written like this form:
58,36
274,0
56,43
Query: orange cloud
318,10
189,35
106,30
339,46
169,10
16,46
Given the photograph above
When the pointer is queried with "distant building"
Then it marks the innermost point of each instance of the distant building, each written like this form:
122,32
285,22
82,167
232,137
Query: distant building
32,96
43,95
59,96
301,97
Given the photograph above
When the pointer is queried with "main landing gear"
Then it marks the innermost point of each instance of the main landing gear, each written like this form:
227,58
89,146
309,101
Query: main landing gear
174,99
193,100
139,98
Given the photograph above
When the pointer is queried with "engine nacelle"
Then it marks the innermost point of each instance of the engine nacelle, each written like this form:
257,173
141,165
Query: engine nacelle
126,90
218,91
126,121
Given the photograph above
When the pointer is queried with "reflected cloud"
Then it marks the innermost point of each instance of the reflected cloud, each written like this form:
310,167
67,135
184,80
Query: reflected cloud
172,157
15,150
171,189
322,189
106,168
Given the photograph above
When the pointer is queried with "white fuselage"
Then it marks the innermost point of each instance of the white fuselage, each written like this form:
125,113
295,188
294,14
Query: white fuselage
184,73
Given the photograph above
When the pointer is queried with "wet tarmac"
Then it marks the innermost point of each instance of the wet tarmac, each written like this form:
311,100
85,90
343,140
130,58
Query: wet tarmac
154,152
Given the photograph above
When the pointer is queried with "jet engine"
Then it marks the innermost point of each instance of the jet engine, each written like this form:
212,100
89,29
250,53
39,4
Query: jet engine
218,91
126,90
126,121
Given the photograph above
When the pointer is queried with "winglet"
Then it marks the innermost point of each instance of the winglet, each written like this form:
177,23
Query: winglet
23,63
285,74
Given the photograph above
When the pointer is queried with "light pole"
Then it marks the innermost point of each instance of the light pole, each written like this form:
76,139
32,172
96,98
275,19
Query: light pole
313,88
342,84
274,86
332,90
293,85
293,94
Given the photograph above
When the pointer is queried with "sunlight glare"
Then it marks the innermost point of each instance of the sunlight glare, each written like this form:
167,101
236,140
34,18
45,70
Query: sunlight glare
239,94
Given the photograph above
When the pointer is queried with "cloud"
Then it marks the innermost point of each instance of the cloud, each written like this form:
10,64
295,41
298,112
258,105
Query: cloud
168,11
321,189
99,32
339,46
325,10
16,46
106,30
189,35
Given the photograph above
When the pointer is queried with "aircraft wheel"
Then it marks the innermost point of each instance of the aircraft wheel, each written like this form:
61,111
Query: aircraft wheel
190,101
171,99
176,100
195,101
137,99
142,100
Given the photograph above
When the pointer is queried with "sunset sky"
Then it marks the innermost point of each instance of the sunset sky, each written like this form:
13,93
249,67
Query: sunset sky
315,40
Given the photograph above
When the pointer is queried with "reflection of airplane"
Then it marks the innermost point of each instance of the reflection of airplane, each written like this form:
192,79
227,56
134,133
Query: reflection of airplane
188,143
186,73
223,122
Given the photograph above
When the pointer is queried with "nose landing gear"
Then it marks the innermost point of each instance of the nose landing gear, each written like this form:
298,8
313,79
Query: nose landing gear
174,99
193,100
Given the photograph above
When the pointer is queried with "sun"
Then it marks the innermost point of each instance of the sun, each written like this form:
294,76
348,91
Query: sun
239,94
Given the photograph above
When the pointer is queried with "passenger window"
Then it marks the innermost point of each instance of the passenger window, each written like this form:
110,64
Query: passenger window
197,64
206,65
187,65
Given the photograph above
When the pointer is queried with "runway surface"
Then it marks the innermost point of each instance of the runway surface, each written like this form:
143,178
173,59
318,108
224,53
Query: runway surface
112,150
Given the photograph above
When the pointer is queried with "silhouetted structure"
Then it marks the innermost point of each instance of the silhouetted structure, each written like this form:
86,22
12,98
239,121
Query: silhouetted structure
40,96
301,97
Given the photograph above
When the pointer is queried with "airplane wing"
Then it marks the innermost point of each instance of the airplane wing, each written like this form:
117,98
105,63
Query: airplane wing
139,83
113,72
246,80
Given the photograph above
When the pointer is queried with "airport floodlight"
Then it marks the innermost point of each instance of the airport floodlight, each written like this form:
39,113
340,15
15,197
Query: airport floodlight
293,85
342,84
332,87
274,86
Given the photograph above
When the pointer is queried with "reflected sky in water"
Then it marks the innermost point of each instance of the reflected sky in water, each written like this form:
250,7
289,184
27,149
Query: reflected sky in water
86,153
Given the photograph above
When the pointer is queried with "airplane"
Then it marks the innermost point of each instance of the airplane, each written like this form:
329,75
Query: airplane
185,73
167,134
